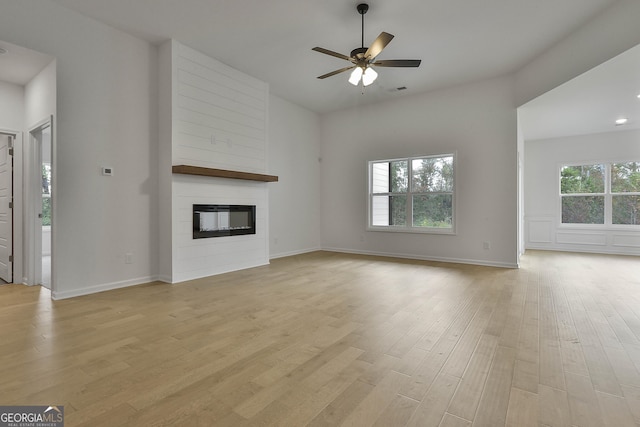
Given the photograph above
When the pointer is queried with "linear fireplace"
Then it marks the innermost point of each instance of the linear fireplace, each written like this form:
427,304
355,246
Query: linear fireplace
223,220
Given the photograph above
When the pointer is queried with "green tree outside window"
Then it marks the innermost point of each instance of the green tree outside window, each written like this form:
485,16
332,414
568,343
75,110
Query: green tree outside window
412,193
46,194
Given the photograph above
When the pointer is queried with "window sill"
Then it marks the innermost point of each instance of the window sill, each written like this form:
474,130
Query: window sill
415,230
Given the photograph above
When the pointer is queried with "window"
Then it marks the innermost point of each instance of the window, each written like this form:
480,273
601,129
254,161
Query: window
46,194
625,193
582,190
415,194
602,193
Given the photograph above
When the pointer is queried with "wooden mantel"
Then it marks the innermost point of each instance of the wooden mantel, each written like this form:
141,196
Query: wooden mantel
222,173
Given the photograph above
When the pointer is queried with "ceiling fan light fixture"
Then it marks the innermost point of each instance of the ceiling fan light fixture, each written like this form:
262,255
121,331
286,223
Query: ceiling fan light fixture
363,58
356,74
369,76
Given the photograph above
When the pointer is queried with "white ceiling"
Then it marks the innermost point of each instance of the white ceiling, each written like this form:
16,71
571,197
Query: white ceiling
590,103
457,40
19,65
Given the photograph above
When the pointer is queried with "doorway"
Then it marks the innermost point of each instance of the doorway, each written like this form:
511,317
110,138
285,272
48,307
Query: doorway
6,207
41,204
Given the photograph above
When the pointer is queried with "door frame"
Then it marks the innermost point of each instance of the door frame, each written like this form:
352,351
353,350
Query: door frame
33,204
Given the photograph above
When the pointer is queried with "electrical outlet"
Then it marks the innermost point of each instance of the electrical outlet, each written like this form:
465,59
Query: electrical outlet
486,245
128,258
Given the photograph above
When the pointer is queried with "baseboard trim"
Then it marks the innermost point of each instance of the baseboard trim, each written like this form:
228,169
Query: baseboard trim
581,250
182,279
426,258
292,253
165,279
59,295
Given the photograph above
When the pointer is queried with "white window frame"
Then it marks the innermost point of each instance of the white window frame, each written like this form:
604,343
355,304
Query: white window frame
409,228
608,198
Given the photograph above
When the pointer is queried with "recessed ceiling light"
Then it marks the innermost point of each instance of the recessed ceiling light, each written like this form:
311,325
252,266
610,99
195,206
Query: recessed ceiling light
621,121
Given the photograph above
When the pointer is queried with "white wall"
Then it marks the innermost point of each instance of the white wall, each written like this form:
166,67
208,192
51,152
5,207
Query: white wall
543,229
40,97
294,156
106,116
476,120
165,176
11,107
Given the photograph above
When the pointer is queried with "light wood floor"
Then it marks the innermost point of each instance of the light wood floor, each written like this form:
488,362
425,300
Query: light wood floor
328,339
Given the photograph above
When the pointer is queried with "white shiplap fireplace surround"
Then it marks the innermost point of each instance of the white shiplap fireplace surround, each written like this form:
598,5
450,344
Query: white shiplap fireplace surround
214,117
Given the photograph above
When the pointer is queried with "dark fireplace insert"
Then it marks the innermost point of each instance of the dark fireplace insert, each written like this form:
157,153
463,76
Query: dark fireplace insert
223,220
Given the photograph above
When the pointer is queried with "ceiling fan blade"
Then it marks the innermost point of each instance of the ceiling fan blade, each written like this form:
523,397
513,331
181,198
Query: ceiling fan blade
333,73
377,45
398,63
332,53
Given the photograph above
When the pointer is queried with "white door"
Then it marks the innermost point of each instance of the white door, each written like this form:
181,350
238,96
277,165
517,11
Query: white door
6,201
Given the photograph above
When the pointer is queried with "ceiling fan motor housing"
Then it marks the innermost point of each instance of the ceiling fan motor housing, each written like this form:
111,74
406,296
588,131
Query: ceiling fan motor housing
358,53
362,8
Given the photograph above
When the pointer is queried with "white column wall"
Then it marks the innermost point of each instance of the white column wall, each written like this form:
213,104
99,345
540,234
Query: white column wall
219,120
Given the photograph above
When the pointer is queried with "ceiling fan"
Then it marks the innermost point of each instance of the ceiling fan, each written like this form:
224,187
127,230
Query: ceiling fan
364,59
